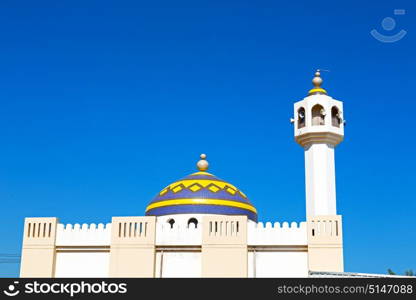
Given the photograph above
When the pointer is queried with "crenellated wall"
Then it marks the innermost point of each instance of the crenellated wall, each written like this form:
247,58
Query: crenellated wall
277,233
83,235
183,235
181,249
277,250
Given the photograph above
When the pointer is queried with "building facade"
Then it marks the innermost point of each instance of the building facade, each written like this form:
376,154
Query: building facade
203,226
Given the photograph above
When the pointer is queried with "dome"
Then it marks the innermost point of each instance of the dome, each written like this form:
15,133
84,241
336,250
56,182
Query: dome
201,193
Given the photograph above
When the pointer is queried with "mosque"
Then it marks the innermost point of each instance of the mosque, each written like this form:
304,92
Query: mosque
203,226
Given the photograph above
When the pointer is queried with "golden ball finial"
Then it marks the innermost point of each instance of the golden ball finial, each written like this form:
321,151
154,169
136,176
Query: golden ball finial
317,80
202,164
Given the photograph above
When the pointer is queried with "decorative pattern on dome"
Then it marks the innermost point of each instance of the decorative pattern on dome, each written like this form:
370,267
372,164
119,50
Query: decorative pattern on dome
199,182
201,192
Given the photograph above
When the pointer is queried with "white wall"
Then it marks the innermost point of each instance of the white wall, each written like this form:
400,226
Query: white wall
179,264
179,235
184,263
82,264
278,264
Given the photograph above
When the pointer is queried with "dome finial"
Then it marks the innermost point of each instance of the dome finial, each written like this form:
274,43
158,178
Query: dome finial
202,164
317,82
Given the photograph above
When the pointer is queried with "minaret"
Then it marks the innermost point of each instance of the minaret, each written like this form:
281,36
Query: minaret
319,128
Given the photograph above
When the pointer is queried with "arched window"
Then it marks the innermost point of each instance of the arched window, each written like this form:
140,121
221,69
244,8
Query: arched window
192,223
171,222
335,116
301,117
318,115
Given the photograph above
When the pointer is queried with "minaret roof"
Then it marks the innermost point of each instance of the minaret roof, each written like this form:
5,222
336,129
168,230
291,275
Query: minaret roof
317,82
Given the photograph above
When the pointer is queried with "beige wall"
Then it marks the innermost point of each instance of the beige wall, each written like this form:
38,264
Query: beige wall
325,248
132,250
38,251
224,251
224,246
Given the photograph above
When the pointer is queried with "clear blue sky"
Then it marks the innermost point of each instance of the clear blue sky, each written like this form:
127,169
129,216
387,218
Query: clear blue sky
103,105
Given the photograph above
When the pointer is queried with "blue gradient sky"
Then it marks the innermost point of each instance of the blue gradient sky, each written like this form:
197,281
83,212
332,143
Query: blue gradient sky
103,105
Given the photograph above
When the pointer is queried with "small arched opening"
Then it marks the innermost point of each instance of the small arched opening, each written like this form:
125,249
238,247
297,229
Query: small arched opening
301,117
171,222
192,223
335,116
318,115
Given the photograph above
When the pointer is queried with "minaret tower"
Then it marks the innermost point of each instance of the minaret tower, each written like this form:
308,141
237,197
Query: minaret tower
319,128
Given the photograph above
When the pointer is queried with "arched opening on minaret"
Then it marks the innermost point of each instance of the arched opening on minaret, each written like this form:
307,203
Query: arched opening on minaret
318,115
301,117
335,117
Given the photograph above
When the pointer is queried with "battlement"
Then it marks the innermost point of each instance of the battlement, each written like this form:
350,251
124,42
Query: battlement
209,246
260,233
277,233
83,235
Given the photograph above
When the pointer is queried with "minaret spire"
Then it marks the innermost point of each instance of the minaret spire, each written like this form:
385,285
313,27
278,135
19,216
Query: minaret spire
317,82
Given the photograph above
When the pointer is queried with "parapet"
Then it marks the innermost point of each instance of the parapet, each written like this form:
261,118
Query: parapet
133,230
39,231
83,235
277,234
223,229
